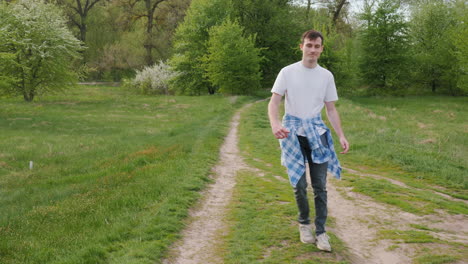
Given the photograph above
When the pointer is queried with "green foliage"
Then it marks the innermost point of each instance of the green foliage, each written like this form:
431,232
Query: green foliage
37,49
459,38
346,70
7,64
114,44
277,35
435,61
232,62
384,44
190,45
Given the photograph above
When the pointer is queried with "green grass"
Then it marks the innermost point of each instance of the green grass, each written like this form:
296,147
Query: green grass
410,200
407,236
435,259
114,173
423,136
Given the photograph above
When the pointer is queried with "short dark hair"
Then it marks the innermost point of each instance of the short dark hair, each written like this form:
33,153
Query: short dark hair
311,34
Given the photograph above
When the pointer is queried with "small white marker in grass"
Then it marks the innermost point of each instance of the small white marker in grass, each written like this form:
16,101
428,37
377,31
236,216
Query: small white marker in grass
31,164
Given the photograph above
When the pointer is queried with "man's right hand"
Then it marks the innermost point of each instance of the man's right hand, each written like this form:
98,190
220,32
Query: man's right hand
279,131
276,127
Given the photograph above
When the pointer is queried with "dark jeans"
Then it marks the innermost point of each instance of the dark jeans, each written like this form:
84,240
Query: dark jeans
318,175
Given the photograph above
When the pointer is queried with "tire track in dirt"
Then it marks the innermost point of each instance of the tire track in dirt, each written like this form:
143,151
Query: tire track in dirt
401,184
201,237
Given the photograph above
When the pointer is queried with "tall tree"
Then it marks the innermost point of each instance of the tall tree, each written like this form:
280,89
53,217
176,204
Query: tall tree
154,12
77,12
339,4
272,22
309,4
459,37
384,44
430,31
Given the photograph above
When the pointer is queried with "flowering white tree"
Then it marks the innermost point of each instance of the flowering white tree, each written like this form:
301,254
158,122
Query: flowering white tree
37,50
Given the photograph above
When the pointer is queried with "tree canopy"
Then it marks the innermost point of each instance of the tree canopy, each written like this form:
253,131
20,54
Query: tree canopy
232,62
37,49
384,47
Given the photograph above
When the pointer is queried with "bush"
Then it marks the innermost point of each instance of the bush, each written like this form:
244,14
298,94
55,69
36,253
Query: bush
152,80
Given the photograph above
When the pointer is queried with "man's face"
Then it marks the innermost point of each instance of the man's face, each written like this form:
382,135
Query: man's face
311,49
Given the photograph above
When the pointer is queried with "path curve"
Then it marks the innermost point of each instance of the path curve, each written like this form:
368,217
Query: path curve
203,234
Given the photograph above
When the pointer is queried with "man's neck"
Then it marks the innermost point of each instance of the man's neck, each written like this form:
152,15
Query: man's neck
309,63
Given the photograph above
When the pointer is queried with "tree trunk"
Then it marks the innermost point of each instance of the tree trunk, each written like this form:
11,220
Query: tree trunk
28,96
336,14
211,90
149,37
83,29
308,8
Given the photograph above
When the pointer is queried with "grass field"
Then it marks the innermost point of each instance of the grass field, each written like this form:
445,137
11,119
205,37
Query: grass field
113,173
425,136
420,142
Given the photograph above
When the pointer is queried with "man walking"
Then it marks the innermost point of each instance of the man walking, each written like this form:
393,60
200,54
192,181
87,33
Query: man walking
303,135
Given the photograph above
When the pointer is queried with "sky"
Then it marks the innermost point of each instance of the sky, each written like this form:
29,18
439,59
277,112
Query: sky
356,5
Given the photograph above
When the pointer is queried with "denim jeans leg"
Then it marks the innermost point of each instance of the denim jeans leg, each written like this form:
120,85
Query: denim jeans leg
300,193
318,175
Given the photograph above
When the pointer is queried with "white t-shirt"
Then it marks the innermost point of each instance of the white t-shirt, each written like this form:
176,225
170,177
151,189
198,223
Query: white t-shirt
306,89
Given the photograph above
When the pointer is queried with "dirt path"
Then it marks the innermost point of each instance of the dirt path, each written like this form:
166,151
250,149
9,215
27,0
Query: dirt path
202,234
359,219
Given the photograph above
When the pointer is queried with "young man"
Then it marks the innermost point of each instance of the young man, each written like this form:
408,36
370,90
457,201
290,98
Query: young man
303,135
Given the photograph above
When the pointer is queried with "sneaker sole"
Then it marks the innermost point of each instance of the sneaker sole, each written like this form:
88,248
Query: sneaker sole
324,249
312,242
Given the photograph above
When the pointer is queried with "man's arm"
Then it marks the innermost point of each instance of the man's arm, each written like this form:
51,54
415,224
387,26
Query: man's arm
273,111
335,121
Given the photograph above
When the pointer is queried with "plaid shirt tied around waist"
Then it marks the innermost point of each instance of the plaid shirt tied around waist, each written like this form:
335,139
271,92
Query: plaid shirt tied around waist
291,155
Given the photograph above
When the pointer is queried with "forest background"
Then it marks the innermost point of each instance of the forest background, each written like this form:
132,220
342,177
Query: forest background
373,47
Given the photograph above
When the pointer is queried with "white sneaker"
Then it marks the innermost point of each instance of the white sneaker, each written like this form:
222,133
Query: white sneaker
305,232
322,242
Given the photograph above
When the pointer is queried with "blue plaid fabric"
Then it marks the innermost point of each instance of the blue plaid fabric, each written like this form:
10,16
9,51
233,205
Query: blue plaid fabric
291,155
